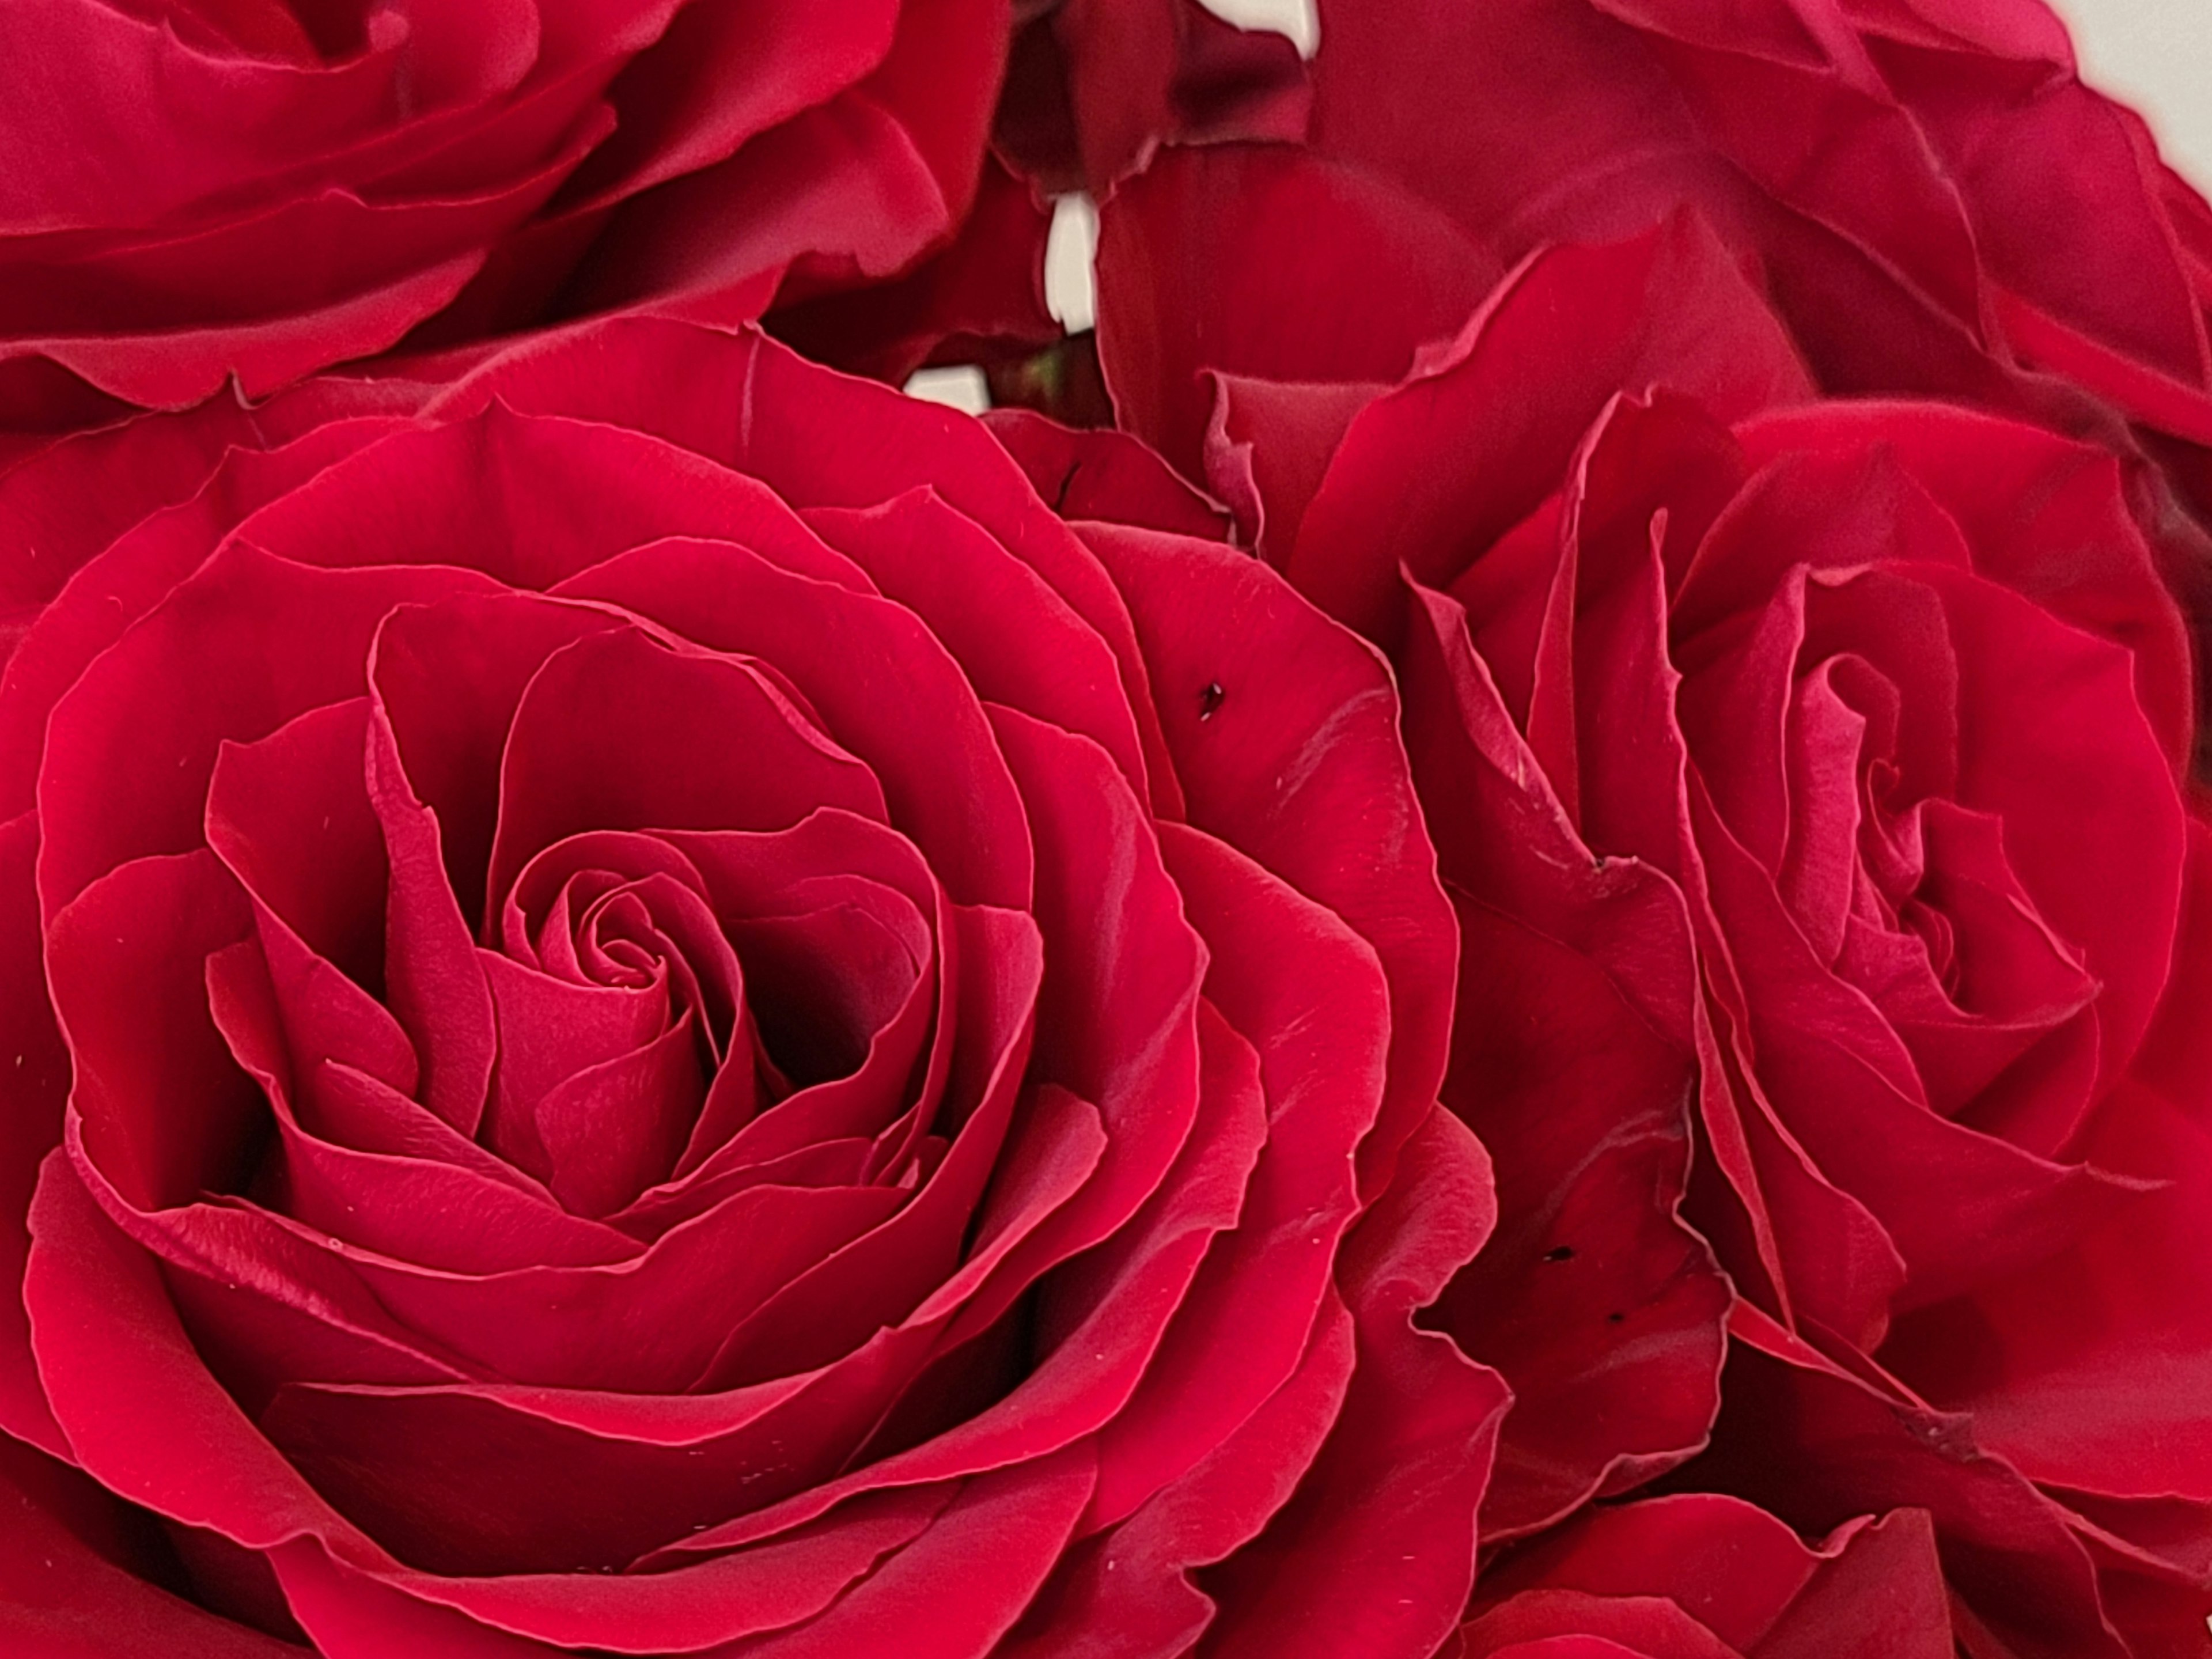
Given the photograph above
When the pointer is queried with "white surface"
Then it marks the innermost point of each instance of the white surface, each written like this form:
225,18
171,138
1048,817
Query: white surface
961,387
1070,294
2156,55
1295,18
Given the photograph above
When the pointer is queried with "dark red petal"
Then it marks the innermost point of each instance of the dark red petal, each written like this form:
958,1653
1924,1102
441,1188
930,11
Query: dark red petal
1268,447
1561,126
499,1495
434,983
457,1215
594,745
167,1113
631,1325
1435,469
109,1342
550,1030
719,76
1886,1585
67,1586
1549,1624
1002,1536
1271,262
181,364
921,1269
1319,1036
2123,285
982,298
1101,1317
1817,1446
2043,515
1743,1575
289,817
2053,742
77,497
1135,1582
939,83
769,1587
2083,1370
1577,986
1376,1552
754,406
251,641
532,500
885,689
97,606
1103,474
1018,642
1095,88
716,246
447,677
759,876
1603,642
34,1082
1280,721
1602,1310
613,1129
1958,1205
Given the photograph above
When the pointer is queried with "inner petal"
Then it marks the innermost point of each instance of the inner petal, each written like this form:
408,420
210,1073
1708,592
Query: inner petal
550,1030
621,731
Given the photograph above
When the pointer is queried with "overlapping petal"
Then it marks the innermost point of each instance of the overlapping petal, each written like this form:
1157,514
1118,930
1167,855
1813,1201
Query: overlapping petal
722,1011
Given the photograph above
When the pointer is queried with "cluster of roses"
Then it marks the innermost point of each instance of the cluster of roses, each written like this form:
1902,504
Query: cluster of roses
1497,940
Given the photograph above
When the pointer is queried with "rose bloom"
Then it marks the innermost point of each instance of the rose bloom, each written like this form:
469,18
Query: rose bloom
1810,780
1924,192
203,189
1934,200
649,1013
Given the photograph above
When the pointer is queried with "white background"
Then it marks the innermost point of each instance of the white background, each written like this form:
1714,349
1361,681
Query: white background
2157,55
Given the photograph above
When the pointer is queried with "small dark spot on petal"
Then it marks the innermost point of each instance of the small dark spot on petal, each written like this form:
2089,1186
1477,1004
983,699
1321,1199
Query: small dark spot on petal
1560,1253
1615,1318
1209,700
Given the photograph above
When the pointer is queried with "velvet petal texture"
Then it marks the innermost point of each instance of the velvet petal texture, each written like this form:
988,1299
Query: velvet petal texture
240,197
1808,778
1703,1576
1936,199
703,1041
1881,665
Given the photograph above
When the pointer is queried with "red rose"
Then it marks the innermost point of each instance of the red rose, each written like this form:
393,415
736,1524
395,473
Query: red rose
1936,202
199,189
1821,764
1926,195
678,1024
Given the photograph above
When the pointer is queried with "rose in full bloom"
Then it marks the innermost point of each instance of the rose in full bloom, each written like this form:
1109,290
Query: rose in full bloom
1879,713
650,1012
198,191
